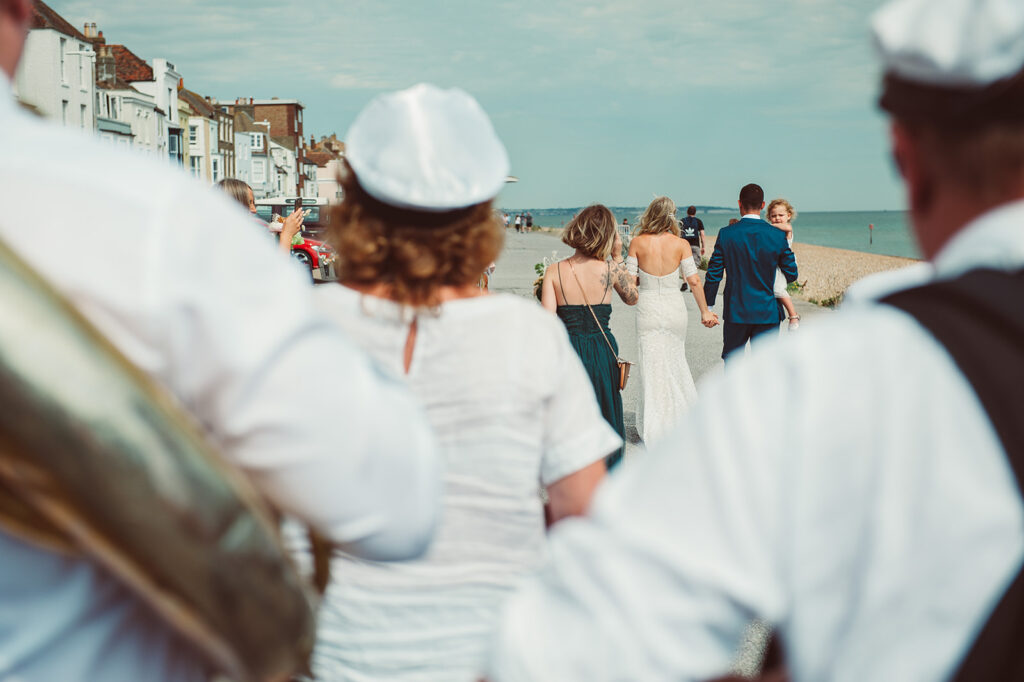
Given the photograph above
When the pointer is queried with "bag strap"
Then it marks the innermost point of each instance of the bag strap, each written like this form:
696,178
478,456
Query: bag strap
979,319
592,313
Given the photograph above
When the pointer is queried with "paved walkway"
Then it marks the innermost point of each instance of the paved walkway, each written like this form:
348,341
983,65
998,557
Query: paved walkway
515,274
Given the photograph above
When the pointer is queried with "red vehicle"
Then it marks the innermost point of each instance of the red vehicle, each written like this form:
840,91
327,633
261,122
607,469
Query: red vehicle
317,256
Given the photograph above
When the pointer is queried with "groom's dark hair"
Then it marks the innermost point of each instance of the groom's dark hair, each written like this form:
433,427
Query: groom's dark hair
752,196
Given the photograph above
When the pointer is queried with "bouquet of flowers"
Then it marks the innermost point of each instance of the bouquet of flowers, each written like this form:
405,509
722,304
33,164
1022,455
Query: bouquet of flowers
540,269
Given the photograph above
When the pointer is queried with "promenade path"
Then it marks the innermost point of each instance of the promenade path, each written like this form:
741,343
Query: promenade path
515,274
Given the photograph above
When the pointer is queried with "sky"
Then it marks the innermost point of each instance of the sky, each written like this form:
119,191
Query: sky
614,102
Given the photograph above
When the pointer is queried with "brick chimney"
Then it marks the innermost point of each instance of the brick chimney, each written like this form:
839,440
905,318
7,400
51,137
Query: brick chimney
106,66
244,105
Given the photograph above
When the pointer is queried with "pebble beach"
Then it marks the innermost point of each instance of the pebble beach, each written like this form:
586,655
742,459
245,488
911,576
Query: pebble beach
826,273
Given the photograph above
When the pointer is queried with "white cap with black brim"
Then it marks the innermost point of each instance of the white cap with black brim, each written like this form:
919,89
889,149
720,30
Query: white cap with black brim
952,62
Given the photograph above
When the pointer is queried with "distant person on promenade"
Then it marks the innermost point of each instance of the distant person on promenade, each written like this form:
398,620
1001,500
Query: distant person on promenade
781,214
503,390
177,279
657,255
242,193
882,532
692,230
578,290
519,222
529,221
750,251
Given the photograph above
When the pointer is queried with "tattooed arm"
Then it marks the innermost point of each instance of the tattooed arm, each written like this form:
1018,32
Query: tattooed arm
624,282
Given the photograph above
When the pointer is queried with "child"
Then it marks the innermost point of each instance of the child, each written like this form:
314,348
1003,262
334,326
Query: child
781,215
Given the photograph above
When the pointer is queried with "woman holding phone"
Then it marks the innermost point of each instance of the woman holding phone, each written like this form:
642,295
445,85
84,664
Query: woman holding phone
242,193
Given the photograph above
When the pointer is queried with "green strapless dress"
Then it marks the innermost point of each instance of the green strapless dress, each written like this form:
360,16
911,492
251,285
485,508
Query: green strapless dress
599,361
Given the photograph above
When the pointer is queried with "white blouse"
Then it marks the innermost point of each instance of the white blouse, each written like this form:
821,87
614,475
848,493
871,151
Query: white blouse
513,409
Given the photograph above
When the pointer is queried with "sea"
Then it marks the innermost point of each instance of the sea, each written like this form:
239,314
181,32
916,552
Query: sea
891,235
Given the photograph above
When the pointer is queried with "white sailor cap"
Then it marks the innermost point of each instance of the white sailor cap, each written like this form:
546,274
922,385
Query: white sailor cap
957,62
426,149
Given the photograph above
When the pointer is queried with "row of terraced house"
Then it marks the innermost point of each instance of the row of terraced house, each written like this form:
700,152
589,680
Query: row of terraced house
78,79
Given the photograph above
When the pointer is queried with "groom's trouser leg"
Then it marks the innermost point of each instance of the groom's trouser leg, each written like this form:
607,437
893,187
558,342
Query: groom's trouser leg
735,335
757,330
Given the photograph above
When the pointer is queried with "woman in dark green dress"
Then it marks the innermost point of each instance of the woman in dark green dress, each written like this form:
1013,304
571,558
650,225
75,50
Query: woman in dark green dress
579,289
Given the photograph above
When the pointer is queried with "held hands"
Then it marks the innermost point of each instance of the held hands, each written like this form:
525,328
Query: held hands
709,319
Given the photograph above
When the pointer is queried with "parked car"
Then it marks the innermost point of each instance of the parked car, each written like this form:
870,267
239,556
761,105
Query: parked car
312,252
318,257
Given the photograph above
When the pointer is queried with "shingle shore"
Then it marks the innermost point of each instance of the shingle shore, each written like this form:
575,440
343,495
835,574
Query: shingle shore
824,271
827,272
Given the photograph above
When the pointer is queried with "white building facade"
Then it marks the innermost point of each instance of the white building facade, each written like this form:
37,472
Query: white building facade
55,77
286,173
164,91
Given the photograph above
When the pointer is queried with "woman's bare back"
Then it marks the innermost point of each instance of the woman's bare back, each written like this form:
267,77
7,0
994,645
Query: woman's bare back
593,275
659,254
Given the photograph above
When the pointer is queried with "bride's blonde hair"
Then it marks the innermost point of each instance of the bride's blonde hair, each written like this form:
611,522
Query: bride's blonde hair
659,217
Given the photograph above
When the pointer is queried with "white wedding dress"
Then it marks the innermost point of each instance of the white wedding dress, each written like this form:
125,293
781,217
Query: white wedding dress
661,320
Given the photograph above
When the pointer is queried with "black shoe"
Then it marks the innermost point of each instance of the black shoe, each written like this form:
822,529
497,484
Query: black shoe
684,287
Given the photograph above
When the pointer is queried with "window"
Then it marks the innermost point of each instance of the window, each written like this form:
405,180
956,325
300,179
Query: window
300,115
194,163
192,134
257,141
63,60
216,170
259,171
64,107
172,145
82,112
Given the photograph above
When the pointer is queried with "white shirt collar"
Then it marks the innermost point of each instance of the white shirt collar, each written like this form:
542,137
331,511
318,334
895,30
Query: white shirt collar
994,240
755,216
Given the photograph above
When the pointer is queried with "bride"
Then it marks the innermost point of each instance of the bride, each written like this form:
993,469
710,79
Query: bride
655,255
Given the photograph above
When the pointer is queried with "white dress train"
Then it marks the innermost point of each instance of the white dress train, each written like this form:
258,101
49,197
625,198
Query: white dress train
661,321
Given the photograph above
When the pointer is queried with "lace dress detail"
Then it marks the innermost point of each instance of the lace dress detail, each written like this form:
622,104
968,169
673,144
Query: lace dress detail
661,321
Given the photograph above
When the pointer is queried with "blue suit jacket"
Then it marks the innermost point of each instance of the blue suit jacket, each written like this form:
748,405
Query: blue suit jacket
750,251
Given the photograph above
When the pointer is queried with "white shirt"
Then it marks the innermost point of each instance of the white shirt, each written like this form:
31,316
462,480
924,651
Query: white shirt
877,524
185,284
513,409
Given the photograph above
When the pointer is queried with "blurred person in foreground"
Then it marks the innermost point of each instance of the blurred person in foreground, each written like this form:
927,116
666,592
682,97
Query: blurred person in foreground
141,251
883,533
508,399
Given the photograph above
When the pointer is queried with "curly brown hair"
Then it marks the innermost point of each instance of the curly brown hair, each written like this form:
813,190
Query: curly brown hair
414,253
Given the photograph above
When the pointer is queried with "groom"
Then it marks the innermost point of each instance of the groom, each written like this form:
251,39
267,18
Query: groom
750,250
